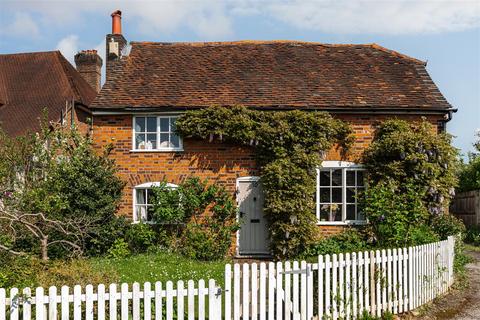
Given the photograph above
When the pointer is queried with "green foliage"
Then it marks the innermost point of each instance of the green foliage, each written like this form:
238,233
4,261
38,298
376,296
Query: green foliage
102,240
288,146
402,152
120,249
469,175
411,179
351,240
57,192
393,213
473,235
140,237
446,225
202,215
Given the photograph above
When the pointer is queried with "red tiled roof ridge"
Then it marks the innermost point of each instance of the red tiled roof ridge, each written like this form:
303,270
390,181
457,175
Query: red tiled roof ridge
29,53
280,41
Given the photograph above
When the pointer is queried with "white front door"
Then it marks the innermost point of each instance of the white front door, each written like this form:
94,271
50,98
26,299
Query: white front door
253,234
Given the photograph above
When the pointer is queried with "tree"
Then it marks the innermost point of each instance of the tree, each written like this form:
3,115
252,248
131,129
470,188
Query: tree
56,192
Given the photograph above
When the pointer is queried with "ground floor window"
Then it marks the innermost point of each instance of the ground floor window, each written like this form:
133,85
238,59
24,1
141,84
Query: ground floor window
339,184
143,201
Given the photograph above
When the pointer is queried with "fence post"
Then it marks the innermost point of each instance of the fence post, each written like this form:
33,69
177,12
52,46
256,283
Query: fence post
39,304
410,279
228,292
214,301
3,304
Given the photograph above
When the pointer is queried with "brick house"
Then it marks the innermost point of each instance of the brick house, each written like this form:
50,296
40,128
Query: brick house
150,83
33,82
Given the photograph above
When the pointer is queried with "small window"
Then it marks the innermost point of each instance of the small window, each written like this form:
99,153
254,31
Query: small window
339,185
156,133
143,201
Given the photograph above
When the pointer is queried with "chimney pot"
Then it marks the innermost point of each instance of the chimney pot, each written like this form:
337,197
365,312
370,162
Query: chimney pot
116,22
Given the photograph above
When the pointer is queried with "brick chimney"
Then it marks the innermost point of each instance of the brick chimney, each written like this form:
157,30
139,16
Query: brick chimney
115,42
89,65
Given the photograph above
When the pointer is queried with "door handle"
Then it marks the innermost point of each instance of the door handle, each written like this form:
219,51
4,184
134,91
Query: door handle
254,220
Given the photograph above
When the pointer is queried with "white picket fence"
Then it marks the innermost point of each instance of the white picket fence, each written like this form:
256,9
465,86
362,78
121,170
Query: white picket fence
337,286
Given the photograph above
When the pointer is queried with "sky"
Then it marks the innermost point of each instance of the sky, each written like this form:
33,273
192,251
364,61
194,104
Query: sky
444,33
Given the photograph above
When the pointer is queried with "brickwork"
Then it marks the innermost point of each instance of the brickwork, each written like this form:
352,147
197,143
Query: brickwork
220,163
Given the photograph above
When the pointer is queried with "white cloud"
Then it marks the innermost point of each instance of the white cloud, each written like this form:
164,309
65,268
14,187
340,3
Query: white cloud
68,46
213,19
21,25
379,17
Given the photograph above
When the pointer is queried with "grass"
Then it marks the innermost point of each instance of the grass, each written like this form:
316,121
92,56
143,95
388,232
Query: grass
151,267
161,266
471,247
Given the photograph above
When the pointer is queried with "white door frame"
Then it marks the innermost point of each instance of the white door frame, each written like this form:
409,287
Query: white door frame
237,183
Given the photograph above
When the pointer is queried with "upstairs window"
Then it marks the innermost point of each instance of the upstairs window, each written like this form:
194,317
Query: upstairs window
339,185
156,133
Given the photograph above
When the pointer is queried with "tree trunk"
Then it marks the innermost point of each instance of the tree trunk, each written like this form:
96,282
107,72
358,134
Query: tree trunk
44,248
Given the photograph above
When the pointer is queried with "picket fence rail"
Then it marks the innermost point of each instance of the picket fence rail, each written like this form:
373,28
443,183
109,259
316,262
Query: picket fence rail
342,286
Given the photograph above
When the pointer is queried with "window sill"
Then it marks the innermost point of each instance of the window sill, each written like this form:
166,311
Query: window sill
341,223
156,150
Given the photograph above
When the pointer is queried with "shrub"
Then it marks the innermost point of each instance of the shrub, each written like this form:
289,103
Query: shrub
473,235
120,249
469,176
140,237
394,214
448,225
351,240
103,238
202,216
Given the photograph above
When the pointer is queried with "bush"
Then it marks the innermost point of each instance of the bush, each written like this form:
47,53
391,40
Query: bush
119,249
140,237
351,240
102,240
446,225
423,234
202,216
469,176
473,235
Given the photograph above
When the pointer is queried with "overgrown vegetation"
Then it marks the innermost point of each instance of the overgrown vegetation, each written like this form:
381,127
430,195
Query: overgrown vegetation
198,218
289,147
56,194
411,179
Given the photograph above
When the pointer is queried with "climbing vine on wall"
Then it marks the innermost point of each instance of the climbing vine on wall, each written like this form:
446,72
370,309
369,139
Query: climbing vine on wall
289,146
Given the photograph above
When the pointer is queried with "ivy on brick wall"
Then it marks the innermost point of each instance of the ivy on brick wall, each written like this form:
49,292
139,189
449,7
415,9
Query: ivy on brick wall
289,146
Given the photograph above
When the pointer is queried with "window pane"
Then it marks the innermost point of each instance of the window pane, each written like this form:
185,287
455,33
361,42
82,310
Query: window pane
350,178
336,214
140,124
140,196
172,124
350,212
164,142
324,212
324,195
325,177
152,124
140,213
337,177
351,195
360,178
139,141
175,141
149,213
164,124
337,195
151,141
149,196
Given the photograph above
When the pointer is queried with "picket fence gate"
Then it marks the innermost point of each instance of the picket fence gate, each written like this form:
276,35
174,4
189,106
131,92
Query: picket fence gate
339,286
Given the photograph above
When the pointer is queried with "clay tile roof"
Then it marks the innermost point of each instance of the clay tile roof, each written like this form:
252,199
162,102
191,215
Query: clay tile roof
31,82
268,74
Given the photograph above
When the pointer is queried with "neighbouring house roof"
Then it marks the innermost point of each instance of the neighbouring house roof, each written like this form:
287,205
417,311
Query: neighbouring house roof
33,82
268,74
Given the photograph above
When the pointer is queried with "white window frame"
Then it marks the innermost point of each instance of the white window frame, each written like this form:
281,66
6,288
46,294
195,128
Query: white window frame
145,186
344,165
160,149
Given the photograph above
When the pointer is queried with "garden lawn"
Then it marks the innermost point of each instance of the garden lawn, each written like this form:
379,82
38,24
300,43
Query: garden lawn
161,266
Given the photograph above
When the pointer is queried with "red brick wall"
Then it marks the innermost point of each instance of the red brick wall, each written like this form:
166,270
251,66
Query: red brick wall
218,162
